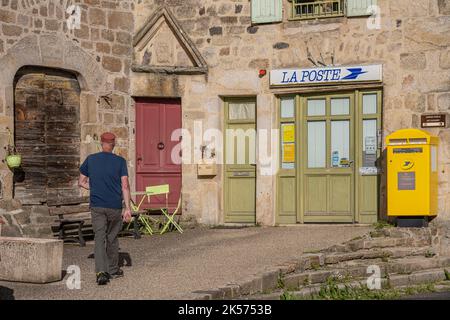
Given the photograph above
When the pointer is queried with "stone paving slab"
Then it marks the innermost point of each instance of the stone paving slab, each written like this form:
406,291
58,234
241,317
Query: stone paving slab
173,266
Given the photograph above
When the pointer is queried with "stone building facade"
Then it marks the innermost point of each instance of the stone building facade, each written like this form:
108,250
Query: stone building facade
209,54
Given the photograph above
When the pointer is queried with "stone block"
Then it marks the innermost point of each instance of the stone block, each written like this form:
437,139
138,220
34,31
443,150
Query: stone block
413,61
121,20
269,280
319,276
112,64
30,260
251,286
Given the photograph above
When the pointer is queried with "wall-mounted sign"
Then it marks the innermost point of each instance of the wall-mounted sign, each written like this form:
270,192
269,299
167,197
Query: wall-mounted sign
433,120
291,77
368,171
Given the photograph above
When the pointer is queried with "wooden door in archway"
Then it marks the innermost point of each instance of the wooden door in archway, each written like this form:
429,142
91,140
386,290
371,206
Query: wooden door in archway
47,135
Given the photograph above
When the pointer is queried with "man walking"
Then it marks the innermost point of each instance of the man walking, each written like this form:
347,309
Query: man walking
106,176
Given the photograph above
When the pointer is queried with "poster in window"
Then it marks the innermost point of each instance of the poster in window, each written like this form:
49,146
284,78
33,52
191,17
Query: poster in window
289,152
288,133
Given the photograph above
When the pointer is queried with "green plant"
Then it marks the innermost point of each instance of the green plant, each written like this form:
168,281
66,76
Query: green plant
429,254
381,224
287,295
280,281
447,275
315,266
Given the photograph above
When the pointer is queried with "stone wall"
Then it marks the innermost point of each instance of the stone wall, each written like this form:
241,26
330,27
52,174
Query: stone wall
36,33
412,44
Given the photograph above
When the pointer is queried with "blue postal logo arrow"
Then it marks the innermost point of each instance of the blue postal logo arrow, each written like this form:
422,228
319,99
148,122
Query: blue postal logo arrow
355,73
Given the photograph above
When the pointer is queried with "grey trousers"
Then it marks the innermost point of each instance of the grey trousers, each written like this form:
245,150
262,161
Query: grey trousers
107,224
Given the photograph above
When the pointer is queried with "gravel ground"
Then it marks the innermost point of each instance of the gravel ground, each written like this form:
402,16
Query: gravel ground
173,265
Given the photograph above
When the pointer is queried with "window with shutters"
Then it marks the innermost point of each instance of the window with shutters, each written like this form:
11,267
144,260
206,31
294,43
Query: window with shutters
267,11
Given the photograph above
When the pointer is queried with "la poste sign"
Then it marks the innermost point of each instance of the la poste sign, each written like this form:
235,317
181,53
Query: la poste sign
290,77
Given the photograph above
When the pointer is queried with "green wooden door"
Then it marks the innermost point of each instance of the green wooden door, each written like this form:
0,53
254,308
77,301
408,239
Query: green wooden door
240,161
328,158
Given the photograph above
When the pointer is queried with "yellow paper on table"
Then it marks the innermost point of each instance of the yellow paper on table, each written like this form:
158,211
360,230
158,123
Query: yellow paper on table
289,153
288,133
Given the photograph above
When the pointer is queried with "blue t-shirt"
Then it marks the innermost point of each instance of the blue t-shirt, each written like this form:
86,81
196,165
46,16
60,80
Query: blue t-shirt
105,171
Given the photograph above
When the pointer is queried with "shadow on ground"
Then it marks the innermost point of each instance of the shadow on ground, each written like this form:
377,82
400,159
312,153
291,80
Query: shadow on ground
124,259
6,293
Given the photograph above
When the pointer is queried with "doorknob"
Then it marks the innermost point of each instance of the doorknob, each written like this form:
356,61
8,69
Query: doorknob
161,146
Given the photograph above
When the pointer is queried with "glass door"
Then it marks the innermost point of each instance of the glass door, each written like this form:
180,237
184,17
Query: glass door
328,163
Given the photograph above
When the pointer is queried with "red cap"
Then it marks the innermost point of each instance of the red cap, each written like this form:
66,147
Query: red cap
108,137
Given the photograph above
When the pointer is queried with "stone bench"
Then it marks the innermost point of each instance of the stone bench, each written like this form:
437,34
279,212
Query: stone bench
30,260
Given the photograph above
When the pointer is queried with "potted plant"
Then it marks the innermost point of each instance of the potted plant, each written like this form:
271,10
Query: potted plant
13,159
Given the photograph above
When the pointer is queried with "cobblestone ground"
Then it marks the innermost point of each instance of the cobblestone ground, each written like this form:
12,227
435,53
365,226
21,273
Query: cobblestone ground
173,265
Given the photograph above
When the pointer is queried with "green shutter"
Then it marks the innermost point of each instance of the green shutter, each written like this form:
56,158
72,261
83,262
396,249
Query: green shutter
265,11
359,7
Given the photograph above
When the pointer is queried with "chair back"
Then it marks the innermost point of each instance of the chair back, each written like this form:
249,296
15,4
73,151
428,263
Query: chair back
156,190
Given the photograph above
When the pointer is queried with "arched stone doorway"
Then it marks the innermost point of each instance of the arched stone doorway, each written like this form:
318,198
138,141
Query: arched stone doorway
47,135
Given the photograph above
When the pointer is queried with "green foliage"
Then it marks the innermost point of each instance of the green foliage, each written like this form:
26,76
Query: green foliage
447,275
381,224
333,291
287,295
280,281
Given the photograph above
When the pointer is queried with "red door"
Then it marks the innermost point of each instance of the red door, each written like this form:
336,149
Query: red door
156,121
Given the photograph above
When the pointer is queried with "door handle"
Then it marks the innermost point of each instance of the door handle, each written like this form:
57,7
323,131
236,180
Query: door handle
161,146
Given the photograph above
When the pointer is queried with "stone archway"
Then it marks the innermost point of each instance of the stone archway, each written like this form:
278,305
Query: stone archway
51,51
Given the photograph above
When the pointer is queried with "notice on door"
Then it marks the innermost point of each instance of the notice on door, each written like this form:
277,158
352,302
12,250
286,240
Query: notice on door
288,133
289,153
406,181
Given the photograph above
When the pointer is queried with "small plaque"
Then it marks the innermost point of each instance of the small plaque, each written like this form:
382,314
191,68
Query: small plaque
241,174
368,171
433,120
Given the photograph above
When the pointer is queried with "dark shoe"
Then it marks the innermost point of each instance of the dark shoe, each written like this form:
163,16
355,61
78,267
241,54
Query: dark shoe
117,274
102,278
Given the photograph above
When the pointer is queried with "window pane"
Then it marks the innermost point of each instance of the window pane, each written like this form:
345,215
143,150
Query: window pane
340,143
370,103
316,107
340,106
242,110
287,107
369,143
316,144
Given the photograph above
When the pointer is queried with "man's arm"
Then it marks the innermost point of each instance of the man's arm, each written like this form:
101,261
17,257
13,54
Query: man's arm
83,181
127,198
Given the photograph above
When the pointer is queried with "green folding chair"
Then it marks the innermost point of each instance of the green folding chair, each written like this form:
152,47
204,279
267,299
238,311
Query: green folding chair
141,216
170,218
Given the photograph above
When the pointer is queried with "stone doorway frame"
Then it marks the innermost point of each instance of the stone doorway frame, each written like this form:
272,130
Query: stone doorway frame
49,51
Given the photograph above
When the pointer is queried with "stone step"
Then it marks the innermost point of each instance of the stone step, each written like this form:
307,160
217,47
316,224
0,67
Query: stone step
387,243
394,253
360,269
397,281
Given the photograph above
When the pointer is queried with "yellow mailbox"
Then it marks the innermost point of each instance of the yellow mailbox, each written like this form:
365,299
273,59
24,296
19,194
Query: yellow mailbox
412,173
